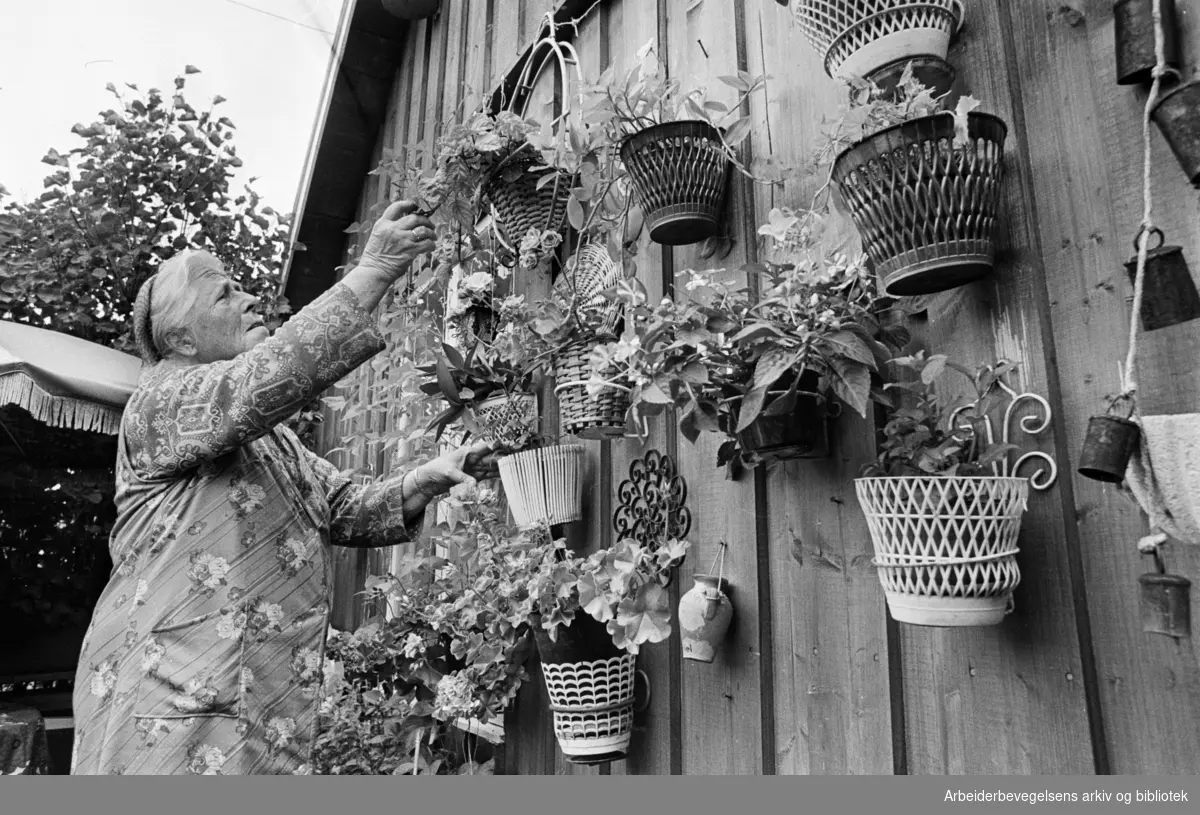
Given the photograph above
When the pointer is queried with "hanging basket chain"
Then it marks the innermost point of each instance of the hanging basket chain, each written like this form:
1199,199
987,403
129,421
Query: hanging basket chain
1129,376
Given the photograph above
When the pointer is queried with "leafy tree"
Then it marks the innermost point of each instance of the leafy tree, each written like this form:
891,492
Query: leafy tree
152,178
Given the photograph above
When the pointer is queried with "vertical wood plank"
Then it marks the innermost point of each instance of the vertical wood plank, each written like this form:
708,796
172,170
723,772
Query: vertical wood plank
832,711
1008,698
1087,184
722,697
655,748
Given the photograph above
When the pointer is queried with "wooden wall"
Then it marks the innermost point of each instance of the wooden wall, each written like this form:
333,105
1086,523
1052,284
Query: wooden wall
815,677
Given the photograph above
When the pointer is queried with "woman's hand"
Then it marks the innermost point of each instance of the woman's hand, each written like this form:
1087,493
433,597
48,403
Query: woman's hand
465,465
398,238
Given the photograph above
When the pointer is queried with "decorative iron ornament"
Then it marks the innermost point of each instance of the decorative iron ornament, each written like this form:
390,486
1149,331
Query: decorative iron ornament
1031,424
651,502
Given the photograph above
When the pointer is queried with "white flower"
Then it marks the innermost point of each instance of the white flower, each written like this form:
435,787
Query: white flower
104,679
139,596
312,660
152,656
413,646
454,694
213,760
231,625
280,730
477,282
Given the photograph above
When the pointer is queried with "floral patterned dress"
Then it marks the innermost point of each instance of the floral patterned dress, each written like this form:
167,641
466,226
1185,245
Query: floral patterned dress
205,652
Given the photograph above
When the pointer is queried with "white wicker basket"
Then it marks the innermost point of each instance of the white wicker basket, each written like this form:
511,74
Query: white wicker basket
507,418
593,705
946,547
544,485
858,37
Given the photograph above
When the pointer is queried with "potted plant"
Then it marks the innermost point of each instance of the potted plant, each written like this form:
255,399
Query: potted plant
591,616
757,362
676,147
861,37
922,185
470,316
943,510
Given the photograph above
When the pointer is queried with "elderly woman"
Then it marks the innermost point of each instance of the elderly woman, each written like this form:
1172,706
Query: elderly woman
205,651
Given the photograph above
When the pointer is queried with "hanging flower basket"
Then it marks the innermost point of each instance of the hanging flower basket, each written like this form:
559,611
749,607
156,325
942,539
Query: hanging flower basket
582,415
680,173
507,418
544,485
594,271
521,206
857,37
925,209
946,546
590,683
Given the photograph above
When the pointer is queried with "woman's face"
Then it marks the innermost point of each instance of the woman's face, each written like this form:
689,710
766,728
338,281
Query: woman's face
225,323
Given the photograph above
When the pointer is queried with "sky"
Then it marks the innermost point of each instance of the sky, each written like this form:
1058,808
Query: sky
268,58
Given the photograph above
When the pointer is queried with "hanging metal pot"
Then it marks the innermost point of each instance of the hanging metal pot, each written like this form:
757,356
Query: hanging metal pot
1133,22
1166,604
1169,295
1177,115
1109,443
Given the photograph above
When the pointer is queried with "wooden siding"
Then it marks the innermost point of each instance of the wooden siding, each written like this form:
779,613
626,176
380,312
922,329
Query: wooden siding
815,677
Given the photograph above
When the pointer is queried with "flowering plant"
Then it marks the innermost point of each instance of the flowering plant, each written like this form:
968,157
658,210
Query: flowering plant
724,354
458,624
933,436
623,586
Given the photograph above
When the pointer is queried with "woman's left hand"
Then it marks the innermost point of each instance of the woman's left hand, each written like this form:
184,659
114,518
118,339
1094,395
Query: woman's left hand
466,465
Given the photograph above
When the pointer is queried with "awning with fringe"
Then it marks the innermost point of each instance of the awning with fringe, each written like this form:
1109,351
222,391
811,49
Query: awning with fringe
65,381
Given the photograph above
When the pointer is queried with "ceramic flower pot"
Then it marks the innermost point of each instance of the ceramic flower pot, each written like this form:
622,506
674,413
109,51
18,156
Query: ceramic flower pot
857,37
544,485
705,613
679,171
926,211
590,684
945,547
1109,443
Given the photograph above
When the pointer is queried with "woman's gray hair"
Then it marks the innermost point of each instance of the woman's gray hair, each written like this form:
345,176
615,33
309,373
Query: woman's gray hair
166,302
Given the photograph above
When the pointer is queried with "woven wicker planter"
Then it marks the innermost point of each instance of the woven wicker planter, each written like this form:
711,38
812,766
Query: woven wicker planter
507,418
679,172
590,685
544,485
926,211
945,547
857,37
521,206
599,417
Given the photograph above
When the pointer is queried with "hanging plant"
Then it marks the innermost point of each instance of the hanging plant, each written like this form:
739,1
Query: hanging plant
592,615
923,186
944,504
677,147
757,362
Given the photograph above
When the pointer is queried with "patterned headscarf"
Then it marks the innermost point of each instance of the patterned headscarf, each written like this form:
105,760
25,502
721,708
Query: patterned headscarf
159,299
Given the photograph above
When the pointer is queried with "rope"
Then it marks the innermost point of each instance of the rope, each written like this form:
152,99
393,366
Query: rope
1129,377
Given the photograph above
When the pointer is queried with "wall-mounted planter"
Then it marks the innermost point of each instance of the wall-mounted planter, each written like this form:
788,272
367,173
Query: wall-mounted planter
926,211
590,683
1133,35
803,433
411,9
507,418
521,206
705,613
946,547
544,485
582,415
857,37
680,172
1177,115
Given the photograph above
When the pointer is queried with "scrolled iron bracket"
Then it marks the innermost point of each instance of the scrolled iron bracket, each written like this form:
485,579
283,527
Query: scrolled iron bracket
651,502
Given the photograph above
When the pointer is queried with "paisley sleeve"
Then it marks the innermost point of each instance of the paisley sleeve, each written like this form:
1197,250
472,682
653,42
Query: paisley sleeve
364,514
183,417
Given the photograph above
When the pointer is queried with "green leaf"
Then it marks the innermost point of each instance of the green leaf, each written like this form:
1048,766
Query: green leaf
851,382
738,131
736,82
933,368
850,345
575,212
